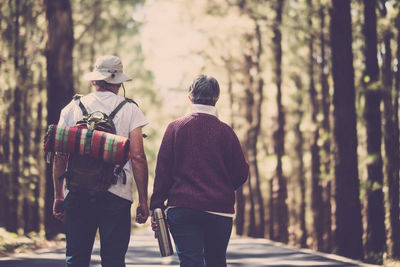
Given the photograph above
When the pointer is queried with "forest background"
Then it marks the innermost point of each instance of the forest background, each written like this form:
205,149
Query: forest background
311,87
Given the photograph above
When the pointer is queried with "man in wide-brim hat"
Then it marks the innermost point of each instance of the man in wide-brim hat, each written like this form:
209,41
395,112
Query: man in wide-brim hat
108,211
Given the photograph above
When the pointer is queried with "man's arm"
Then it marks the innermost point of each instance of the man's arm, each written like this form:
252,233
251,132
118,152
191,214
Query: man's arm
140,173
59,164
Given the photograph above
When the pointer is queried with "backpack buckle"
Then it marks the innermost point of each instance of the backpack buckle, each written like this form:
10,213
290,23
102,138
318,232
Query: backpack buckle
117,171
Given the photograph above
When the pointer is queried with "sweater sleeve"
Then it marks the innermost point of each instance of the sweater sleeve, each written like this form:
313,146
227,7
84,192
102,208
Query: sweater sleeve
163,175
240,167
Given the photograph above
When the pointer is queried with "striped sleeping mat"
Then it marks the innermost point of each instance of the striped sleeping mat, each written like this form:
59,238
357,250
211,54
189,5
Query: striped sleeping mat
82,141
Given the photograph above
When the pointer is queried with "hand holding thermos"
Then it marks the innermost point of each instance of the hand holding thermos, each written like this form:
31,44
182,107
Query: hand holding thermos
160,227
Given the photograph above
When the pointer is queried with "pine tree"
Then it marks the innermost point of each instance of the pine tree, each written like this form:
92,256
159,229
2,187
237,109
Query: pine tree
348,233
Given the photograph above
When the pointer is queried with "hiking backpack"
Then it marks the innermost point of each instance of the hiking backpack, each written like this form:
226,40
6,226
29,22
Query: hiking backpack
85,173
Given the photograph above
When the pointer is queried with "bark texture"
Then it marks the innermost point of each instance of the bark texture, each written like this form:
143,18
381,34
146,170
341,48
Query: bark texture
376,235
348,233
59,84
279,184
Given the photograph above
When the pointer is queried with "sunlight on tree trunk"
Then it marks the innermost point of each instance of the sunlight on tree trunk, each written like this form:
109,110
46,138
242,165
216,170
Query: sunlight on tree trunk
376,236
280,209
316,189
326,135
391,140
301,176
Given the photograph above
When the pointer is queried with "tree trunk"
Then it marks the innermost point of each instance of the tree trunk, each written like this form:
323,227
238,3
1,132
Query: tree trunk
256,125
240,200
26,130
326,136
248,190
254,90
391,141
279,184
316,190
300,169
393,180
59,84
348,234
37,179
5,173
28,178
327,208
15,208
14,211
7,177
4,163
271,219
240,210
2,179
375,241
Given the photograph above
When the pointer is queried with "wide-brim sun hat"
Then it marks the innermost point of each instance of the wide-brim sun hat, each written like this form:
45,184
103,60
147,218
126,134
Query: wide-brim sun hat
108,68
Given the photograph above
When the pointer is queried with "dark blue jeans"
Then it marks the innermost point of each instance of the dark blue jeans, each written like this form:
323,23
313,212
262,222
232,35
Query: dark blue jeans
201,238
84,215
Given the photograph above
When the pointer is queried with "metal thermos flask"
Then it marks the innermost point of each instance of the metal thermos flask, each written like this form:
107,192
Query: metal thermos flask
164,239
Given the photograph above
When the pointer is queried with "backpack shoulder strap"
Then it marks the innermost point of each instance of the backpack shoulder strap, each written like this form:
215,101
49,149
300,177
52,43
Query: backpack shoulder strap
118,108
84,110
131,101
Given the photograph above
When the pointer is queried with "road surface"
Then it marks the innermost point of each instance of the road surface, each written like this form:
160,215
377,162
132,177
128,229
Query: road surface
143,252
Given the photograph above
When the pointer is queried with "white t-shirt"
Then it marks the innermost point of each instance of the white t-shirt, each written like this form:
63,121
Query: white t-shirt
128,118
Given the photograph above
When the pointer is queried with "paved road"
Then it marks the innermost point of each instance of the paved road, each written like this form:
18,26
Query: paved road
143,252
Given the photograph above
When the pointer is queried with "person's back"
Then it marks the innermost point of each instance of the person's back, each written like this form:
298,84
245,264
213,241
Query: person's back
108,211
205,171
129,117
200,165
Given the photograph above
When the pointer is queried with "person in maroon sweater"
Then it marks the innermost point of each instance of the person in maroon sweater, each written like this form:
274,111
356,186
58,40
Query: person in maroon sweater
200,165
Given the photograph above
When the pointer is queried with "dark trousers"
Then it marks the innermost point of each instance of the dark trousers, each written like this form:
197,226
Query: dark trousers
201,238
106,212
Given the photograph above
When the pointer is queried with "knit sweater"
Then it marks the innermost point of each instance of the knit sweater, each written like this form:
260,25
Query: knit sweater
200,165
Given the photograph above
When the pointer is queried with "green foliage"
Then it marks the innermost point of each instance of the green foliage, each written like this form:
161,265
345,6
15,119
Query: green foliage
372,86
367,186
376,186
372,158
374,257
10,241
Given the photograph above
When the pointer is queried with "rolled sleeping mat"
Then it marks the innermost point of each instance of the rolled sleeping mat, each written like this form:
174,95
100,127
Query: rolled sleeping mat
82,141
